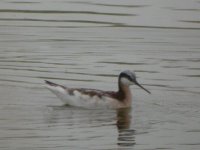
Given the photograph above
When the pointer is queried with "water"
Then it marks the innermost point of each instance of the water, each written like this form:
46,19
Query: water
86,44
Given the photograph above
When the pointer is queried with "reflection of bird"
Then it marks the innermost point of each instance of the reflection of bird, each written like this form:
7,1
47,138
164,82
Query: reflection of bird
123,118
89,98
126,135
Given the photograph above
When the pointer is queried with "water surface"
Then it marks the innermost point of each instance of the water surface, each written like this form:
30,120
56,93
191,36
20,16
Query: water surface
86,44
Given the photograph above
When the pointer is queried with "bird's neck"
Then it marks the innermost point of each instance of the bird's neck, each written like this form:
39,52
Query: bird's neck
124,93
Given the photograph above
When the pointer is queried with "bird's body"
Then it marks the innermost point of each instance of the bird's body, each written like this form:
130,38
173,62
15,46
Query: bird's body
92,98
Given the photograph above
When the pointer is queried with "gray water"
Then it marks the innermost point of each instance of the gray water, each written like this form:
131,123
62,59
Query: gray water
84,43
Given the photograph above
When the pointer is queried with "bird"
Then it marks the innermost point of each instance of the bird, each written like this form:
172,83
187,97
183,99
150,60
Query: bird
93,98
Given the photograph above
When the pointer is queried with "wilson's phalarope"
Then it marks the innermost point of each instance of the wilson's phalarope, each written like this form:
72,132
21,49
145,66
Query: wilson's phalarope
90,98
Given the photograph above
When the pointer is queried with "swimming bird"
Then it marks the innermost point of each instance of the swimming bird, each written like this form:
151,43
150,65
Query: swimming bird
92,98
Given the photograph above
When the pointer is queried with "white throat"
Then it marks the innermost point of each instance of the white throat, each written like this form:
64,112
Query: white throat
125,81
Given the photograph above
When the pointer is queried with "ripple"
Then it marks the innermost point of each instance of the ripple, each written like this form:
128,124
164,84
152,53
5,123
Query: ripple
190,21
194,130
109,5
38,62
188,144
63,12
193,68
24,2
69,79
121,63
63,21
91,74
187,9
193,76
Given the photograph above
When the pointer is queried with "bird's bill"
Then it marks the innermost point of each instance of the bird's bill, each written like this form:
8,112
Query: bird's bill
142,87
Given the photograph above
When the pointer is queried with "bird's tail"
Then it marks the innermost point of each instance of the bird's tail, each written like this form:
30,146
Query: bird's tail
55,88
51,83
